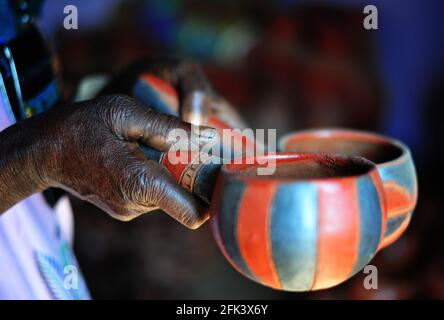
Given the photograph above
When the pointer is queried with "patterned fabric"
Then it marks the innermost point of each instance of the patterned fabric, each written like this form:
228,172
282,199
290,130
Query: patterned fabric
36,259
62,275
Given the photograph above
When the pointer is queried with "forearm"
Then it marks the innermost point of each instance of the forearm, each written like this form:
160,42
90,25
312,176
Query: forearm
19,173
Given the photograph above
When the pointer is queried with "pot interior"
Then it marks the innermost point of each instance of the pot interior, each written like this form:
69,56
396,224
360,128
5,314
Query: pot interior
308,166
376,150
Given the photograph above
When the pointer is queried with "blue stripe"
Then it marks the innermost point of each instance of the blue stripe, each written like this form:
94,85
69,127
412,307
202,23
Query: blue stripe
370,216
205,181
149,96
228,219
393,224
294,234
403,174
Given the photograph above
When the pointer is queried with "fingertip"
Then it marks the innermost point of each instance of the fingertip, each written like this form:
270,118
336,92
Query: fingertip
184,207
197,223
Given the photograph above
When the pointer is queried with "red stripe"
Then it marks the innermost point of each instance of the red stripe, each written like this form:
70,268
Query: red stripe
399,200
253,231
338,233
166,91
160,85
177,162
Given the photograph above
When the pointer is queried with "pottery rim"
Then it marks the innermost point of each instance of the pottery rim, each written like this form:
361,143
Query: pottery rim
234,171
359,135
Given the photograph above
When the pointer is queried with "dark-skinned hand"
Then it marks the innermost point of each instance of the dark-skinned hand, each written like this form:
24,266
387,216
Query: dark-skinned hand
91,149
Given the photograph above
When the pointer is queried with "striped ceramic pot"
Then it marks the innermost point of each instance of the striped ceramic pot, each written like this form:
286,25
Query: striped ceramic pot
393,159
311,225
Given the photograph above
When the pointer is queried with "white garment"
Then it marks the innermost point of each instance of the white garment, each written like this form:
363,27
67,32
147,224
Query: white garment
36,259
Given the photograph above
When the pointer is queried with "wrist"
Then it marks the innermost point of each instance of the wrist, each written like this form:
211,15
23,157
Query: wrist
20,161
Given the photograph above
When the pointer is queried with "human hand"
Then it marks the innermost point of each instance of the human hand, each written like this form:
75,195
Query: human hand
91,150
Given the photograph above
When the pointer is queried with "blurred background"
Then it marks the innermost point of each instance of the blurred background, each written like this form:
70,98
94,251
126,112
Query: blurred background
284,64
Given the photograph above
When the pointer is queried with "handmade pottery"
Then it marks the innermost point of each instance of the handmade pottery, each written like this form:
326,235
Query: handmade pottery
393,159
314,223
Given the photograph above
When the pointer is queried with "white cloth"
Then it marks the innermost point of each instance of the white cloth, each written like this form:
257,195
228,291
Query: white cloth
36,260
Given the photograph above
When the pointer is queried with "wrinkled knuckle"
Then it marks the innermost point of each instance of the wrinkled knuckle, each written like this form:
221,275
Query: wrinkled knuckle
118,102
164,124
159,191
140,187
115,110
171,123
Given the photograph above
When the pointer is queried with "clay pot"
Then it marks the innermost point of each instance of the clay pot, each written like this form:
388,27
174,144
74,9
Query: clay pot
393,159
311,225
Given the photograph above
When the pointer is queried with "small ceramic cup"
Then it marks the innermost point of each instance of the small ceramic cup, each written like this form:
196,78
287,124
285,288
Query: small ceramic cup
311,225
393,159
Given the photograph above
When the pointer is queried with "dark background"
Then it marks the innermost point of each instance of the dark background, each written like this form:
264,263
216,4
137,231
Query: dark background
284,64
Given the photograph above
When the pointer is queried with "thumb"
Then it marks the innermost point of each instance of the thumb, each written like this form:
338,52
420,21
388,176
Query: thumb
135,122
